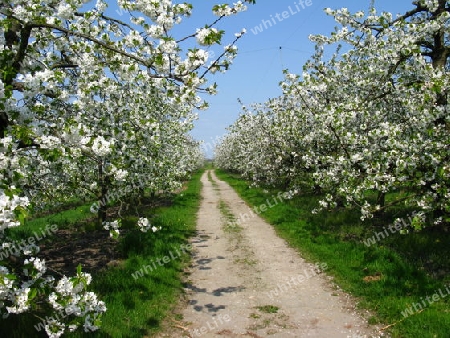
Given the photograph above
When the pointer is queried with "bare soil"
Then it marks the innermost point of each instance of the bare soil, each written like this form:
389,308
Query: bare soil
94,250
247,282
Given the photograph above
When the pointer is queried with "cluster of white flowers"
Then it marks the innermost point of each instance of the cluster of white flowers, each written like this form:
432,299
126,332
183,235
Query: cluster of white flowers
19,300
65,10
227,10
49,142
10,204
113,228
207,36
36,269
101,147
144,225
432,5
197,57
241,33
72,300
118,174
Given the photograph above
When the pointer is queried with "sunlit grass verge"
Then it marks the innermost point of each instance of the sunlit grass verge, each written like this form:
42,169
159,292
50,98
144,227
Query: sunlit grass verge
137,303
392,277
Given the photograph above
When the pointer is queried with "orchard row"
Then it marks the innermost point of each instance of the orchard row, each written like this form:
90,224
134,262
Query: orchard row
95,104
368,127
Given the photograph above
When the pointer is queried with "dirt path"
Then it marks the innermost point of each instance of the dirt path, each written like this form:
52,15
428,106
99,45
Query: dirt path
246,282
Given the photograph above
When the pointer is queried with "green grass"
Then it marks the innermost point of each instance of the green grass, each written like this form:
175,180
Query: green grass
137,304
229,224
268,308
213,183
64,219
387,277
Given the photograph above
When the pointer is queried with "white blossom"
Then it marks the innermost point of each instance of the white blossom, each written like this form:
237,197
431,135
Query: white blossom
101,147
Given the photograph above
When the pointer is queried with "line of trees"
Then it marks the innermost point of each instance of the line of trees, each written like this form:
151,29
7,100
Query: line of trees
370,122
92,106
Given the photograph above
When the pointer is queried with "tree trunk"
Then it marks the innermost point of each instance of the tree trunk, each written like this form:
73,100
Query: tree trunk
102,197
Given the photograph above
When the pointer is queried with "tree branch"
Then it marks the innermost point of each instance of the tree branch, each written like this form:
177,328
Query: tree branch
90,38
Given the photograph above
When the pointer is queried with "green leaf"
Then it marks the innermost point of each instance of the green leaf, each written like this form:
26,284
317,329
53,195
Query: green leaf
11,276
32,294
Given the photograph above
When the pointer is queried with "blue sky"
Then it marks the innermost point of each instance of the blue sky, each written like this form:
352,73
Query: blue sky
276,39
